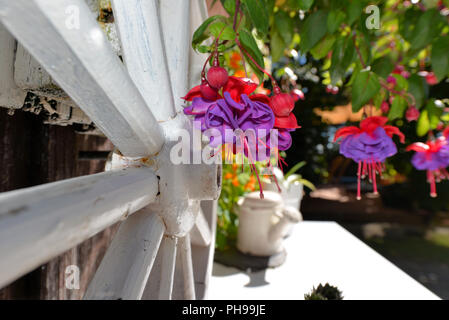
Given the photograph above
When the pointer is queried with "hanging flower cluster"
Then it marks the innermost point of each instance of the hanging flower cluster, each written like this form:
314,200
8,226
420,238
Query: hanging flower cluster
369,146
432,156
228,103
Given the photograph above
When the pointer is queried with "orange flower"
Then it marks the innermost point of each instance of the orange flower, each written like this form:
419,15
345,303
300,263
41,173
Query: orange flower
251,185
240,73
235,182
229,175
235,61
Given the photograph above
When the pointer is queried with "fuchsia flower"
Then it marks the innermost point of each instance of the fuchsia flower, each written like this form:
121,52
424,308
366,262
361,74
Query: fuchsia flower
369,146
238,108
234,106
432,156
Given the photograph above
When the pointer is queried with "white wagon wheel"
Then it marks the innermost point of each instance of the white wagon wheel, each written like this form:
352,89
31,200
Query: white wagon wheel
164,246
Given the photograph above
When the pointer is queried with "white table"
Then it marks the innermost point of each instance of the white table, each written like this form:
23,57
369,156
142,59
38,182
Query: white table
320,252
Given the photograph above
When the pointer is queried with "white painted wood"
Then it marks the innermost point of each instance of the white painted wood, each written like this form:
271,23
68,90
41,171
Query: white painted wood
30,75
168,247
143,50
124,271
203,257
82,62
175,22
187,267
10,95
334,256
198,13
200,234
38,223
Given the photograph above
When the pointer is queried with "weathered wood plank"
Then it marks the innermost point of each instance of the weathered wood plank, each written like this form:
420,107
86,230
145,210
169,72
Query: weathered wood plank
83,63
30,75
11,96
44,221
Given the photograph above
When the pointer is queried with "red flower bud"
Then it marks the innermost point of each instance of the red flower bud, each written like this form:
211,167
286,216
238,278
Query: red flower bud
282,104
288,122
412,114
385,107
431,78
207,92
217,77
391,80
335,90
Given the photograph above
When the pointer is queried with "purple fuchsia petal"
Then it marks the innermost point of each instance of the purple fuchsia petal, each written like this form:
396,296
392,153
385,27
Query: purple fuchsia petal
199,106
443,154
257,116
427,161
284,139
370,147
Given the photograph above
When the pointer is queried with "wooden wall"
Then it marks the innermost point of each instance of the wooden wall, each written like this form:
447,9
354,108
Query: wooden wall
32,153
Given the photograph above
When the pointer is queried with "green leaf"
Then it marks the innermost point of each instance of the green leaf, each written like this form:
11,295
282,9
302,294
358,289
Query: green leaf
416,88
277,46
427,28
440,57
313,30
334,20
250,45
366,85
408,22
398,108
342,57
284,26
401,82
355,10
423,125
258,14
308,184
222,30
429,118
294,169
305,4
379,98
435,114
383,66
202,32
229,6
323,47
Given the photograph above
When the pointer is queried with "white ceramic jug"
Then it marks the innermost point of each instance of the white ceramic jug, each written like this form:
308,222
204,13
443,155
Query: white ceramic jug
263,222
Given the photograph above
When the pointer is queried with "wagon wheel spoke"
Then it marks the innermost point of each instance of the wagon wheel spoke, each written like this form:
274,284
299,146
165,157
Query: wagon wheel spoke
185,254
143,50
168,250
202,256
200,234
176,29
126,266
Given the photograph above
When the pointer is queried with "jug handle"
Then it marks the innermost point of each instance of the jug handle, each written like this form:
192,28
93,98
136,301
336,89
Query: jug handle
292,214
